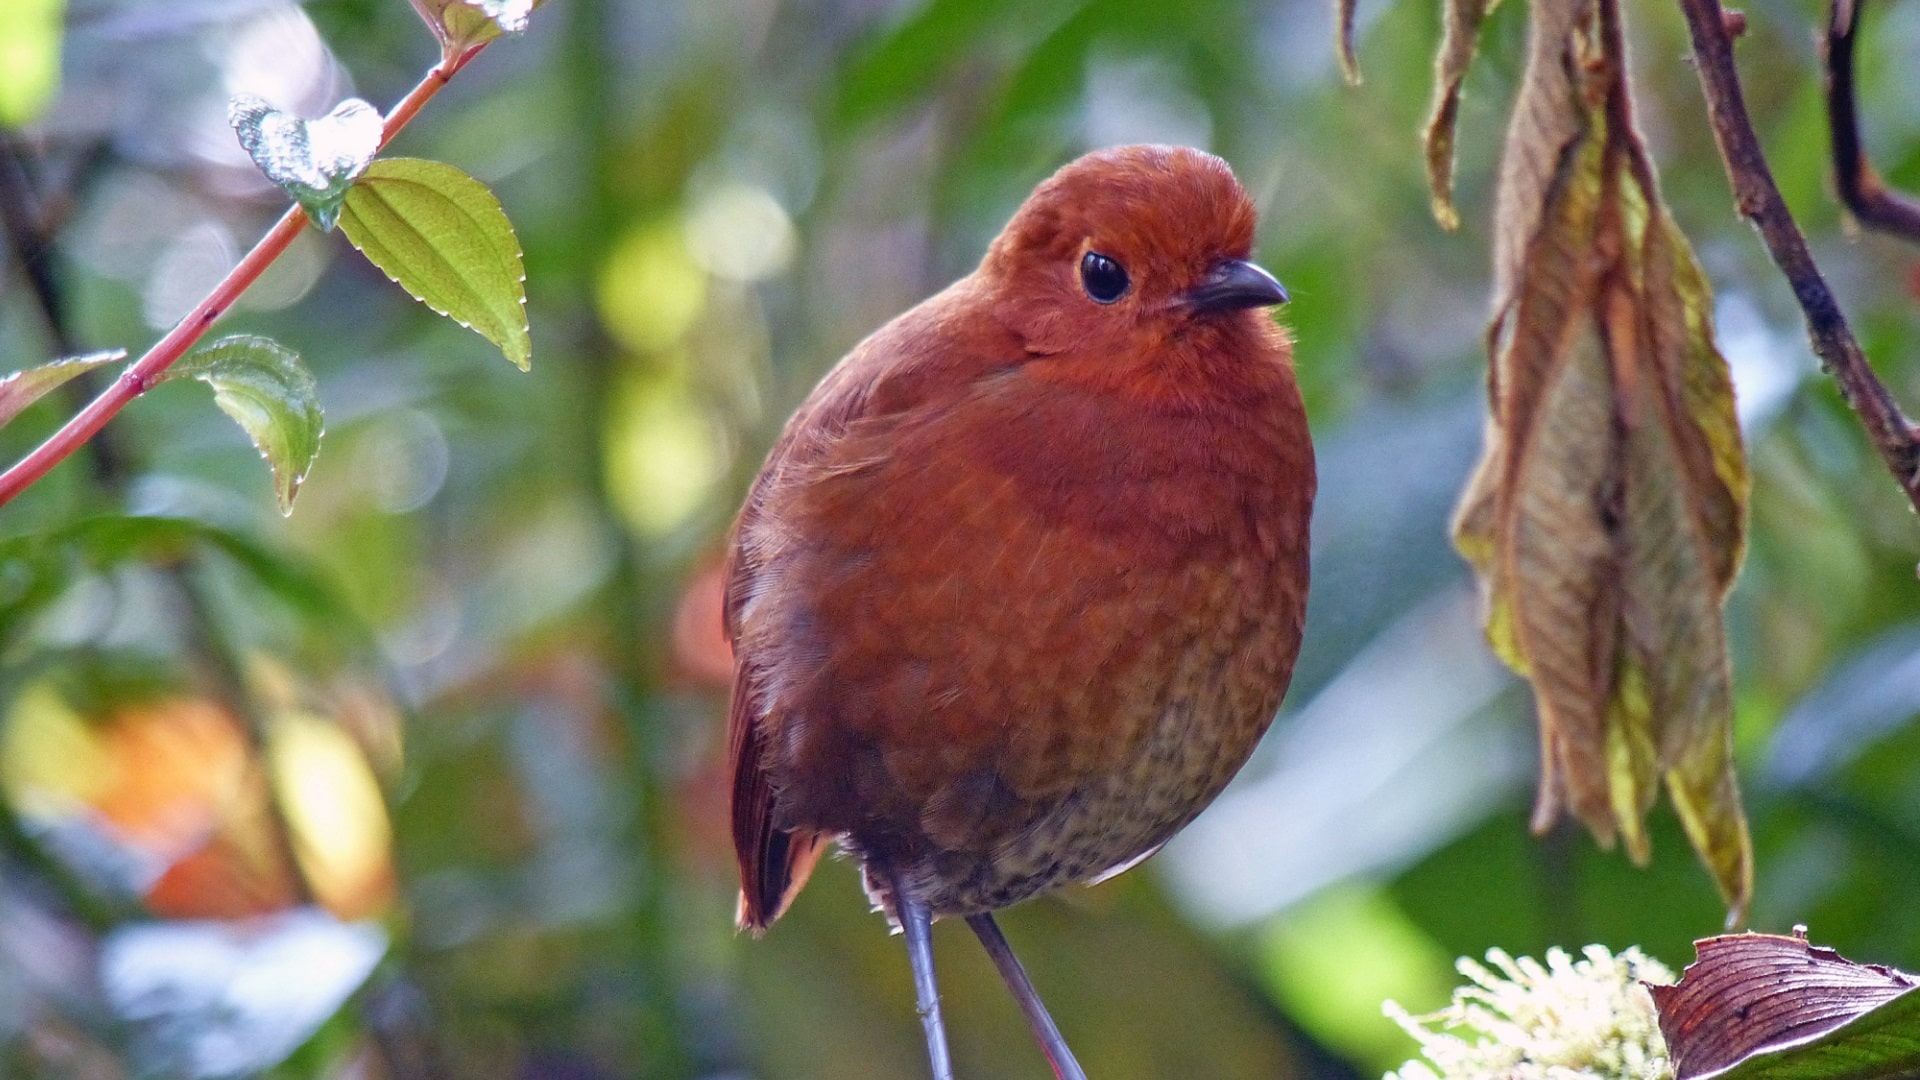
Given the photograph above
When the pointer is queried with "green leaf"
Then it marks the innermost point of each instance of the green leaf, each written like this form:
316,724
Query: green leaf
314,161
23,388
462,24
911,57
29,58
42,566
441,235
271,395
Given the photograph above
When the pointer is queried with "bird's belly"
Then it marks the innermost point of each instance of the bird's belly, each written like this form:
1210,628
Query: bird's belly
1108,821
1082,770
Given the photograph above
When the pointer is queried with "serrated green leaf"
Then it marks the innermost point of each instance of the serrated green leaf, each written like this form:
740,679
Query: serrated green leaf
442,236
23,388
314,161
462,24
29,58
271,395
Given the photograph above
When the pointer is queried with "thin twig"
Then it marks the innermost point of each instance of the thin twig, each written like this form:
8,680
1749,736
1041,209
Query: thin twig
31,222
145,372
1758,199
1873,204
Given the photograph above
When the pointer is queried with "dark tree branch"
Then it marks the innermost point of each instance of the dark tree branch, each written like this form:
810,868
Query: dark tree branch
31,223
31,241
1872,203
1757,198
222,664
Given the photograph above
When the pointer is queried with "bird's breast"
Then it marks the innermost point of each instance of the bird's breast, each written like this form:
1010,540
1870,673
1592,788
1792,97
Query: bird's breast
1027,637
1179,481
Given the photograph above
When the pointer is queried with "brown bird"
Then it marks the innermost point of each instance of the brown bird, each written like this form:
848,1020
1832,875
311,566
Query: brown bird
1022,582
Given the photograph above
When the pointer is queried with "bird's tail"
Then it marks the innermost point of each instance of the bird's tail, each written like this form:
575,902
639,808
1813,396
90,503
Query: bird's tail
774,880
774,862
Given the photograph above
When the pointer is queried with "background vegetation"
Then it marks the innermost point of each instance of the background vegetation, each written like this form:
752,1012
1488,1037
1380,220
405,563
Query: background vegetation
479,664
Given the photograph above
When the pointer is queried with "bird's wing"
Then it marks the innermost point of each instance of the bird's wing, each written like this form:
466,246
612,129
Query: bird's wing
774,862
885,376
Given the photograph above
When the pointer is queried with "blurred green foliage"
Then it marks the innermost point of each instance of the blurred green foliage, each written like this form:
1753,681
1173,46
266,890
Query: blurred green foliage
499,587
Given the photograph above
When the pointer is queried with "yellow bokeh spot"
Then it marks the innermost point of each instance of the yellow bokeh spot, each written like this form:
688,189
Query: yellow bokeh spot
335,809
29,58
663,454
50,760
650,290
159,773
741,232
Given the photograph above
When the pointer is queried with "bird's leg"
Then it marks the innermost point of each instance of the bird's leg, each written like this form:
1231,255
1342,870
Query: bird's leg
1044,1029
916,923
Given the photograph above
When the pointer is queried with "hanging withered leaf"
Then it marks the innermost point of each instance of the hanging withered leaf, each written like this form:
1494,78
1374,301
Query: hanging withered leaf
1763,1005
1462,35
1605,519
1344,12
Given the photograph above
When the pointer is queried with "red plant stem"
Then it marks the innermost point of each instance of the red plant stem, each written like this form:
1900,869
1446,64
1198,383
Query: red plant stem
146,371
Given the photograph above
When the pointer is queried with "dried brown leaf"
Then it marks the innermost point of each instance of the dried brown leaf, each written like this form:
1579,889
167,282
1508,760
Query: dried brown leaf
1457,46
1343,16
1606,518
1548,129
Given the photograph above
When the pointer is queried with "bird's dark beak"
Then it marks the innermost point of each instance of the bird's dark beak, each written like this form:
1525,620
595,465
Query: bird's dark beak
1235,284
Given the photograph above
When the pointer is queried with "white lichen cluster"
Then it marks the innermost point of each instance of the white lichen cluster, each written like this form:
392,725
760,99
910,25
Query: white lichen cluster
1564,1020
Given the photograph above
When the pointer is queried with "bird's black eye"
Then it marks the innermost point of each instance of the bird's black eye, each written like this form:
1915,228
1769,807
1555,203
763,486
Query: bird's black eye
1103,278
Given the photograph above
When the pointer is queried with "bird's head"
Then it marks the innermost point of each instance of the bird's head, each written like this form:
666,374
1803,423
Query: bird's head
1133,262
